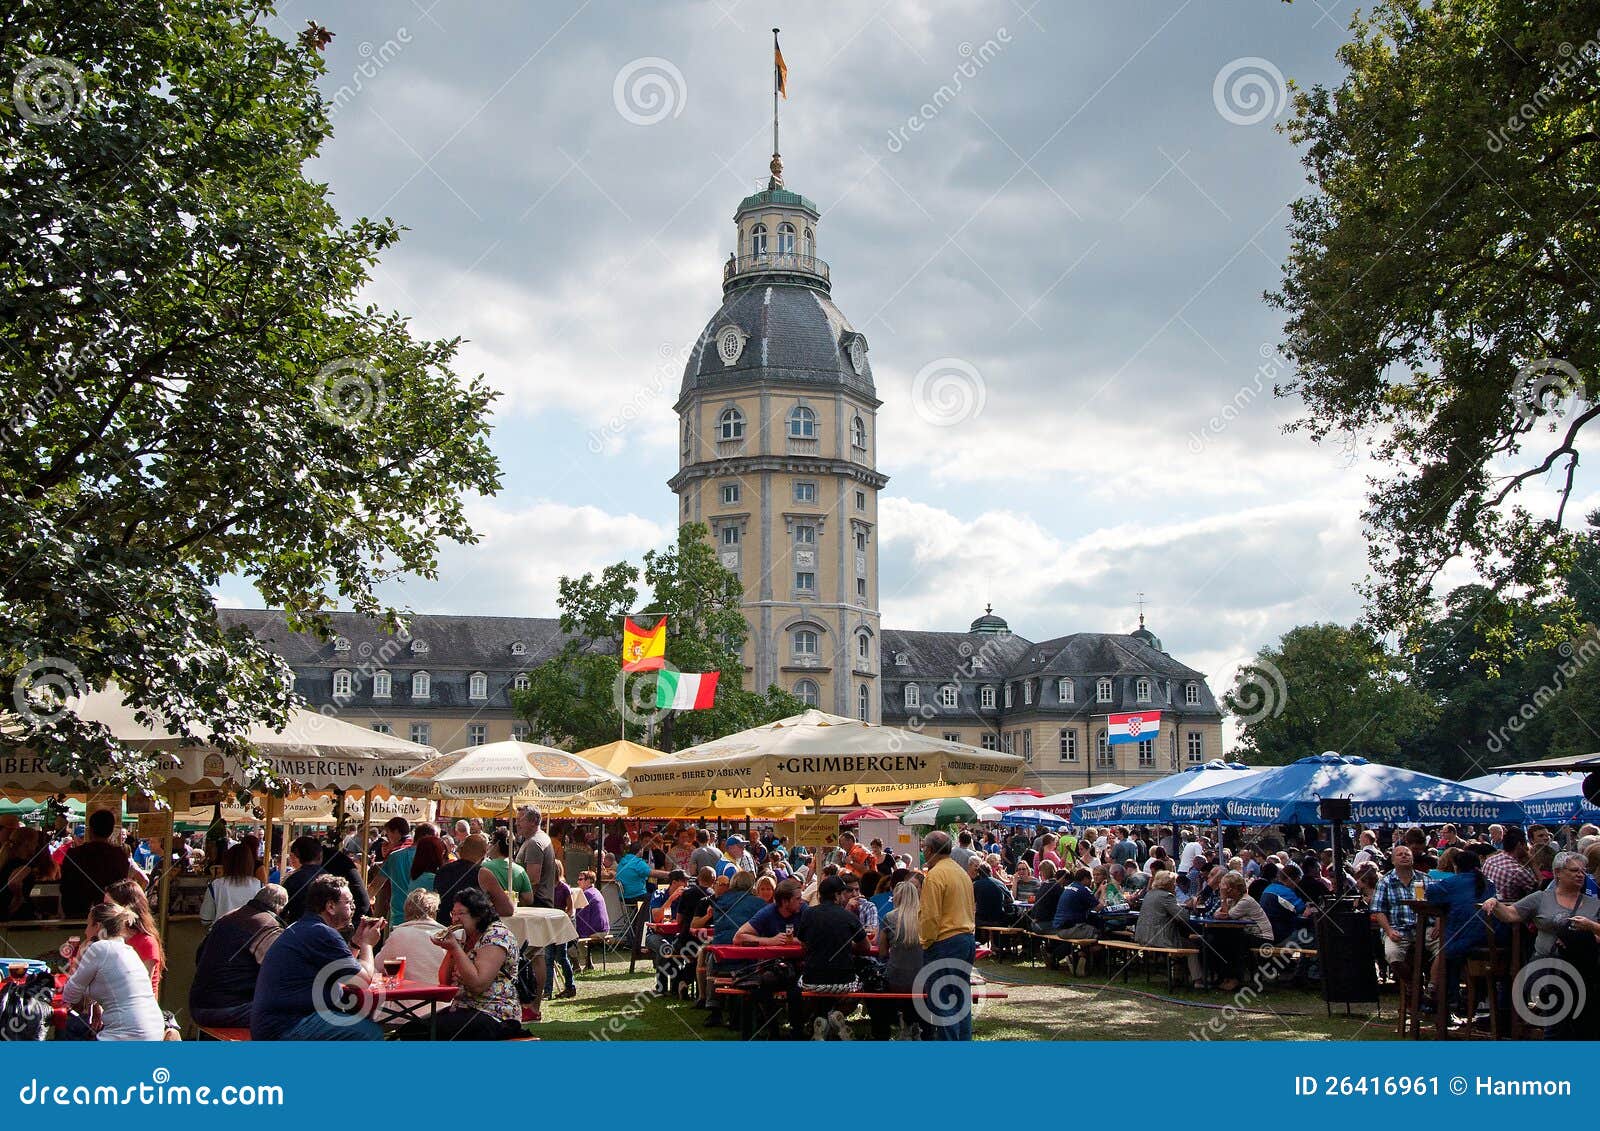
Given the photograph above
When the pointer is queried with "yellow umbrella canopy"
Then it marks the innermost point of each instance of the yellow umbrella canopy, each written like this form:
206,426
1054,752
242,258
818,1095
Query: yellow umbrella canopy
521,772
815,754
619,756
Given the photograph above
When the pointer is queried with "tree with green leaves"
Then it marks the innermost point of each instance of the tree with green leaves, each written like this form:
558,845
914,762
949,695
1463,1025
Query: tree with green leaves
1325,687
1441,284
194,388
583,698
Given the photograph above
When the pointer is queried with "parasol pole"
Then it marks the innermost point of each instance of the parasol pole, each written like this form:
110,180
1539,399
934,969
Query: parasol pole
366,839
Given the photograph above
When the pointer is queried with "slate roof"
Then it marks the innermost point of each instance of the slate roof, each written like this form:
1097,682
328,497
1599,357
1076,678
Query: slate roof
1099,653
948,656
794,334
468,642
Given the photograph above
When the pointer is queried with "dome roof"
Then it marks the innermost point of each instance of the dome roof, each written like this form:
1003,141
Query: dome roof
989,624
778,198
791,333
1144,635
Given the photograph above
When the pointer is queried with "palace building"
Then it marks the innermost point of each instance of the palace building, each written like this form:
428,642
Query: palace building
778,458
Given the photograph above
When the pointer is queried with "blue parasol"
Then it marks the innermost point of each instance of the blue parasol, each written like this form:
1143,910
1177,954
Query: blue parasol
1166,799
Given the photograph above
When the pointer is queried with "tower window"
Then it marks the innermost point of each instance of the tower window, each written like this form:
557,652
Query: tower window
805,535
805,492
730,494
785,239
806,692
758,240
802,423
861,588
861,540
861,500
730,535
808,246
730,425
858,433
863,703
864,645
805,642
805,582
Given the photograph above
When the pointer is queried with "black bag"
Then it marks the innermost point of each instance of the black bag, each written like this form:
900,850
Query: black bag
26,1009
527,989
872,975
768,977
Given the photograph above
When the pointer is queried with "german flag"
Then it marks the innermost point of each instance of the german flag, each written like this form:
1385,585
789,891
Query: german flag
782,67
643,650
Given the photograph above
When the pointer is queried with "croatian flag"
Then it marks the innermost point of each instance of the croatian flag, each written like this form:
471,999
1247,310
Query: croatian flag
1136,726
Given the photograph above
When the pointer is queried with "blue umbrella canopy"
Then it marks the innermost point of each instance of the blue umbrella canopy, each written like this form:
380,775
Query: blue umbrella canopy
1516,785
1563,804
1379,795
1033,818
1166,799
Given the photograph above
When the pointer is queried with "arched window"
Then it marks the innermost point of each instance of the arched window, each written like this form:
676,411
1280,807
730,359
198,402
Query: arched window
758,240
518,648
864,645
858,433
381,685
1141,691
806,691
730,425
521,682
987,698
477,686
785,239
808,244
1102,691
341,684
863,703
949,696
1064,690
1191,694
913,696
805,642
341,644
421,686
802,423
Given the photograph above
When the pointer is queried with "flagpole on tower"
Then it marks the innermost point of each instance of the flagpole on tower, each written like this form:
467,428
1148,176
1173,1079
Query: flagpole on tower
779,86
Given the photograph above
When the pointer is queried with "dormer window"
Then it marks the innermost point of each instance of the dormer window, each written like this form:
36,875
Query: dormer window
1102,691
342,684
382,685
1191,694
421,685
341,644
758,240
518,648
901,659
1064,691
477,686
1008,695
419,647
802,423
521,682
949,695
986,697
1141,691
913,696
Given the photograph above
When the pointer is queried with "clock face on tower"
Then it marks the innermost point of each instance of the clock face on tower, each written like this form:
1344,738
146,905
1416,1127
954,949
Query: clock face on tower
730,344
858,353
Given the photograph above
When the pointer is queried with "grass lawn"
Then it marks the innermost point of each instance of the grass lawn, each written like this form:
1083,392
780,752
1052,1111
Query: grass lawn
1044,1005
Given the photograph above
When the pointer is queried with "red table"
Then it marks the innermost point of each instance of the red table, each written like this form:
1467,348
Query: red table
406,999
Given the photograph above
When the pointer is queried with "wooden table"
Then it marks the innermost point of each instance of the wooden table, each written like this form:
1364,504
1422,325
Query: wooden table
1426,913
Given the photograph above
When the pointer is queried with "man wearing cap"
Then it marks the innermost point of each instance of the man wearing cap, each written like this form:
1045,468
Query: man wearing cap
735,858
948,926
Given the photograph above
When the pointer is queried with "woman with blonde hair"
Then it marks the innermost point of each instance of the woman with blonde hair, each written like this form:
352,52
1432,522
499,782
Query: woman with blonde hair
111,979
900,947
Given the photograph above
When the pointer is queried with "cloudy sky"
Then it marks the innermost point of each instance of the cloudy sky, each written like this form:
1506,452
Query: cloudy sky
1060,270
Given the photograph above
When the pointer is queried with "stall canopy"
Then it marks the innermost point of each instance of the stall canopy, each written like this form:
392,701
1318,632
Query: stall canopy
1166,799
1582,763
619,756
1033,819
1517,785
856,816
316,751
816,754
1013,798
520,773
1379,795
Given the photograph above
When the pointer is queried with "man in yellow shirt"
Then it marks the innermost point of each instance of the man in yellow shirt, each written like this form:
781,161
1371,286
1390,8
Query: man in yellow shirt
947,924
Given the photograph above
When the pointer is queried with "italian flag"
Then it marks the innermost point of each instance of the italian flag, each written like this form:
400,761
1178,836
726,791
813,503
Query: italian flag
684,691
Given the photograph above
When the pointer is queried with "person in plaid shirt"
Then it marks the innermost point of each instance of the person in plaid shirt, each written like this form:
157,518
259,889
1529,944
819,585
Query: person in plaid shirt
1394,919
1508,869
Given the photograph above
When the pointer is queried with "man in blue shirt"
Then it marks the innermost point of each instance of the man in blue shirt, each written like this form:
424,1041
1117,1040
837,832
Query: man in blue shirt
773,924
1072,918
397,866
634,873
298,995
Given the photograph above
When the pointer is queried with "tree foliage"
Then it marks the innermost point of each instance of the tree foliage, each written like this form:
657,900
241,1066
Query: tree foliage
194,388
583,698
1335,689
1440,288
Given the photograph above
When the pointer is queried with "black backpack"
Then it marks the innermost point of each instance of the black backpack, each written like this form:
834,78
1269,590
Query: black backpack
767,977
26,1008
